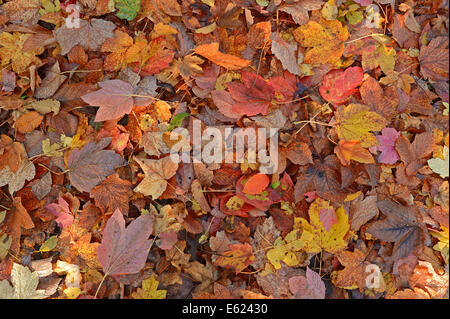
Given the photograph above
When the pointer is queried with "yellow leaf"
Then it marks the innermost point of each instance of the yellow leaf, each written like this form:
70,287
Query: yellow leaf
286,249
149,290
163,111
156,174
234,203
237,258
325,40
72,292
11,51
315,235
442,245
355,121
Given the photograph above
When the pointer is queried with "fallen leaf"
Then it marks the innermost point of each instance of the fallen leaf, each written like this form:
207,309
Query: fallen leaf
24,285
114,100
157,172
112,194
228,61
90,165
355,121
90,35
125,250
237,258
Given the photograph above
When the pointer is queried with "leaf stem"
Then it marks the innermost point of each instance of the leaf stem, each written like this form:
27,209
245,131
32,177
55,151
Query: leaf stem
100,285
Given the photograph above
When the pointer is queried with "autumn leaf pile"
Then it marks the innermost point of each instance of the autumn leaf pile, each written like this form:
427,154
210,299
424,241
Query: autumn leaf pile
92,206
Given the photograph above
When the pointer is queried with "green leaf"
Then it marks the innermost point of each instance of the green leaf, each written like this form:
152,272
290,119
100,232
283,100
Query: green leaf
445,112
128,9
49,244
177,120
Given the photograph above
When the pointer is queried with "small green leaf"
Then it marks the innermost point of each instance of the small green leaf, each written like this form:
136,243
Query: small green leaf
127,9
276,184
445,112
177,120
49,244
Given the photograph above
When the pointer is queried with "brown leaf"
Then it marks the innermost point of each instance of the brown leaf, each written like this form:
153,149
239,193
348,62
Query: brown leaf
402,226
27,122
414,154
434,58
16,219
91,35
112,194
91,165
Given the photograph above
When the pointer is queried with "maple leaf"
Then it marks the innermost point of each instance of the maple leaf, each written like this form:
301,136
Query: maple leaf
11,153
125,250
118,47
297,152
299,9
91,165
228,61
156,174
24,283
402,226
16,180
286,249
362,210
114,100
237,258
338,85
15,220
90,35
352,150
253,96
440,166
224,102
355,121
315,234
256,184
381,56
112,194
383,102
149,290
323,177
434,58
386,146
310,286
11,51
147,57
325,40
413,154
62,211
285,52
354,274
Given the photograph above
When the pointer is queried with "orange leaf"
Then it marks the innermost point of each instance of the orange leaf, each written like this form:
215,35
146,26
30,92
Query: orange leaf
256,184
228,61
352,150
237,258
